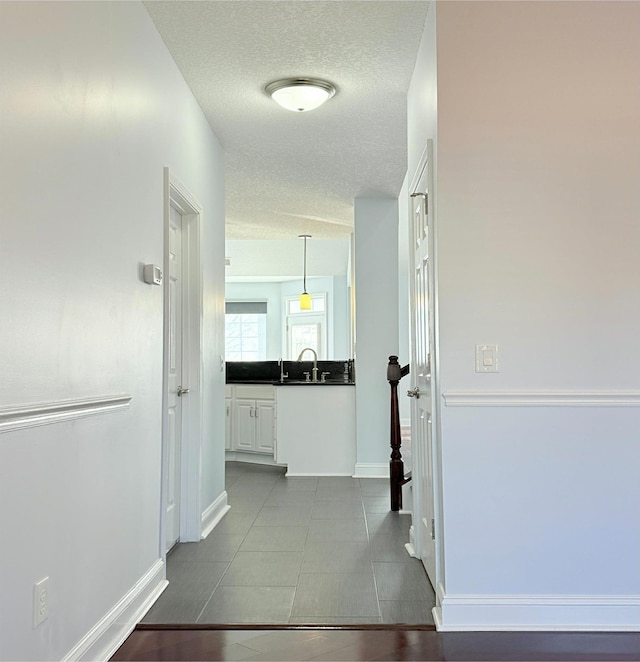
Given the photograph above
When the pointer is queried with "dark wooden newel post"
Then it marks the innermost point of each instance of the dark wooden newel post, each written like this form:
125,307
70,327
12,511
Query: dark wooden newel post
396,466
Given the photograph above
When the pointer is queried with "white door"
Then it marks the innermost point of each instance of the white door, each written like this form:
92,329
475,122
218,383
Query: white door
422,391
175,376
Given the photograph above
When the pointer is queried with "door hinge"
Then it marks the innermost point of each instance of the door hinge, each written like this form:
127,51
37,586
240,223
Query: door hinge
433,529
424,196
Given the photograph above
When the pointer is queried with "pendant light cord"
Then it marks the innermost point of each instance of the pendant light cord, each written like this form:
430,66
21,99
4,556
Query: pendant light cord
304,283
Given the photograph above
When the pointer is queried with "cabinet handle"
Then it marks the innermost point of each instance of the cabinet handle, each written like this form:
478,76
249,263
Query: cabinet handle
251,412
256,414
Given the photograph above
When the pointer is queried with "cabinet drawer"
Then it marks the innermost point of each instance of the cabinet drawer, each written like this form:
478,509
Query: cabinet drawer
253,392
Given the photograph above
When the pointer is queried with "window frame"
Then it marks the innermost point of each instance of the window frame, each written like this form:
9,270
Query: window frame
262,338
305,317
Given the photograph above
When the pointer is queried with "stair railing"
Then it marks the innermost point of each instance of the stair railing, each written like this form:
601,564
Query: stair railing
397,476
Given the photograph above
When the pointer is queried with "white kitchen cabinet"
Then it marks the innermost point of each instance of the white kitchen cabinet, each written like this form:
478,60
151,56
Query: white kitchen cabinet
265,426
316,430
254,420
228,427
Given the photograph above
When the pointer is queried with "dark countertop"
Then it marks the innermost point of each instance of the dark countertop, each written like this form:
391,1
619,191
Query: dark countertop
269,372
288,382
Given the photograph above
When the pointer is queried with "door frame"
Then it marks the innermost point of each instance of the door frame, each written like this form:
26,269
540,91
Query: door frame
191,428
426,160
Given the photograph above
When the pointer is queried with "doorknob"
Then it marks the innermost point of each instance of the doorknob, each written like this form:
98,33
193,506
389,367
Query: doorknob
182,391
414,392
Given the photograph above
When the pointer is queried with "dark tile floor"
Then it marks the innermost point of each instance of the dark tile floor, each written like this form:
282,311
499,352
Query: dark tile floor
299,551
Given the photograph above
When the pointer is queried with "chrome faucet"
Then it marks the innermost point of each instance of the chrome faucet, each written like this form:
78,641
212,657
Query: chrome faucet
283,374
314,370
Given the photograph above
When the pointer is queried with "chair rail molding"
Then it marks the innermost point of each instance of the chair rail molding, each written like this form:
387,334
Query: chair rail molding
478,398
19,417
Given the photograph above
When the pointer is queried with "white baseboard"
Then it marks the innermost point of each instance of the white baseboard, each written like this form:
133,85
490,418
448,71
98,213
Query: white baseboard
102,641
298,474
411,545
410,549
251,458
213,514
578,613
371,470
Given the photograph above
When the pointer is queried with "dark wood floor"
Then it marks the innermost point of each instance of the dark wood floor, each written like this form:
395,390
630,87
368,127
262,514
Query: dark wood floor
332,643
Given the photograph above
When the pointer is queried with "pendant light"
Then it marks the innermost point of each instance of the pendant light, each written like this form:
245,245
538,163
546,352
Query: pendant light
305,297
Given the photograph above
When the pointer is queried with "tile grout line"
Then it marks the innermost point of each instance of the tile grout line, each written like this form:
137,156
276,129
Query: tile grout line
304,548
234,554
373,570
224,573
330,504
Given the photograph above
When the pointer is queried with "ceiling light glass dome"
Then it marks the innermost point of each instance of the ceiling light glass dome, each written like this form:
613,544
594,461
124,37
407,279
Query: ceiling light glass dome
300,94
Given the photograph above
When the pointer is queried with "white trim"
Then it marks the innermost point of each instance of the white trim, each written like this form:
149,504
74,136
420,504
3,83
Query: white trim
213,514
580,613
307,317
251,458
411,545
190,494
410,549
427,164
371,470
18,417
300,474
192,366
437,610
108,634
541,398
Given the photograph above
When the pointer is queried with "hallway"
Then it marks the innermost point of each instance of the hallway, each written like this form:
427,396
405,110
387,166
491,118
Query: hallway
298,551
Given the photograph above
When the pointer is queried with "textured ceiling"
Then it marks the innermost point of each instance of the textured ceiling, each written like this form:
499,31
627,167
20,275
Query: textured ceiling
292,173
280,260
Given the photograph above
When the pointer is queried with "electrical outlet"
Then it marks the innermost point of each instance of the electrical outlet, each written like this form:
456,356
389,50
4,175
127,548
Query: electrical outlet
40,601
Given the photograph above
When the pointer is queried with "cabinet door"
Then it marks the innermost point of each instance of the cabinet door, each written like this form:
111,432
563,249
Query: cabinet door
265,426
228,426
244,425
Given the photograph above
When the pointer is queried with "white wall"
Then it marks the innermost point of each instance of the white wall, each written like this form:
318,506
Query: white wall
538,137
376,282
92,109
275,293
340,316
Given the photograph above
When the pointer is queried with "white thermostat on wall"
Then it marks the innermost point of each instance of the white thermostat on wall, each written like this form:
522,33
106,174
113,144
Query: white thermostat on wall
152,274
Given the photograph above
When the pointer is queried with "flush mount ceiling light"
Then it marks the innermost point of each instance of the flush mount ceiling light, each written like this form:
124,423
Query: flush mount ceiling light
300,94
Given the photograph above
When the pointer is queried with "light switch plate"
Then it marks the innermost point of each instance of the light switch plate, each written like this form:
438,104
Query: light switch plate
487,359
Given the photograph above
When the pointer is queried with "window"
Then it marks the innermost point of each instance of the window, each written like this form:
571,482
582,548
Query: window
246,330
306,328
